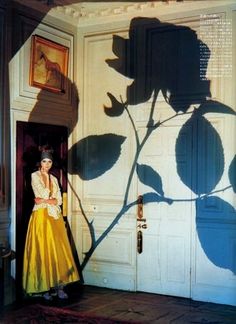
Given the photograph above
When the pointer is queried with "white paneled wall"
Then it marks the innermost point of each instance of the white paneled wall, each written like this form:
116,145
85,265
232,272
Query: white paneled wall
102,196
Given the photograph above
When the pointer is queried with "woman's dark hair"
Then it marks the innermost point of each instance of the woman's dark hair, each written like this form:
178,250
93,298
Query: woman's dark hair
46,148
45,151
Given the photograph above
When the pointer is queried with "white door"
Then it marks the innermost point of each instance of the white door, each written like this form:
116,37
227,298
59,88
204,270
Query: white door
163,267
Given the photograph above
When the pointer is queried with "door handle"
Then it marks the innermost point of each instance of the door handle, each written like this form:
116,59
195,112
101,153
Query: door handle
140,242
140,207
140,226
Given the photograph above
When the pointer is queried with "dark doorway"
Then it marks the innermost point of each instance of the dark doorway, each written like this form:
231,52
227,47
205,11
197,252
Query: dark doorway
29,137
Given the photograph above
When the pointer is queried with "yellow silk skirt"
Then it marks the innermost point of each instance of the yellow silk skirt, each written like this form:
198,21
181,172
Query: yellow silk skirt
48,259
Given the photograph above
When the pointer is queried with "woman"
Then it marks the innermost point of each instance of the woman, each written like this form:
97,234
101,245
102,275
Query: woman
48,262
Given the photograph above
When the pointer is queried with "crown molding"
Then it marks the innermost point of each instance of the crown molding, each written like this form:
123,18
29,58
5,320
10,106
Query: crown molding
77,12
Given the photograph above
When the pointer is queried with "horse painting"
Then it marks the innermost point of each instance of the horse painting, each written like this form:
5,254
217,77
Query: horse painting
53,71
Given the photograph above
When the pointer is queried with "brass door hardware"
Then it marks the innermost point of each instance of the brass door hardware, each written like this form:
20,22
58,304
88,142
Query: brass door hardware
140,225
140,242
140,207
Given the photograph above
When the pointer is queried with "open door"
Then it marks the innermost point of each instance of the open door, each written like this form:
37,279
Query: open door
29,137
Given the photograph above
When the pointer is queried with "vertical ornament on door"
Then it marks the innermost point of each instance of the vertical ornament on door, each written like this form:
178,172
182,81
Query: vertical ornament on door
140,226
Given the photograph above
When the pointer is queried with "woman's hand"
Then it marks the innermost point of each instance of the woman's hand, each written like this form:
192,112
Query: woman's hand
50,201
38,200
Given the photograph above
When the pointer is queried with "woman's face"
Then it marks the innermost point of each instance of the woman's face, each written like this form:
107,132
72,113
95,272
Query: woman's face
46,165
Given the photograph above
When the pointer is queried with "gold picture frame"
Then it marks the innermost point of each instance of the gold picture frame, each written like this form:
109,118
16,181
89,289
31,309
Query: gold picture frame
48,64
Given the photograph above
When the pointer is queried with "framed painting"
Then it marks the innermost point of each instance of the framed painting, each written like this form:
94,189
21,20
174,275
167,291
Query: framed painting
48,64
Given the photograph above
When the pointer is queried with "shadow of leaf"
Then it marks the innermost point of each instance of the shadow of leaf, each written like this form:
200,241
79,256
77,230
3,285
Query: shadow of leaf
152,197
148,176
100,153
212,106
206,157
213,213
116,108
232,173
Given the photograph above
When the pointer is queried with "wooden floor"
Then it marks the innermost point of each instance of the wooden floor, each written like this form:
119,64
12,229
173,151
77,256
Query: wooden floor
138,307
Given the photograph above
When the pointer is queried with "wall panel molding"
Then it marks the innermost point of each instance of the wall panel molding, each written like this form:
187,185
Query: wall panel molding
94,99
26,97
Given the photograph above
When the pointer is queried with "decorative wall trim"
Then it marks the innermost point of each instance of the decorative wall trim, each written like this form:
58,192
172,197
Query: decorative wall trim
21,91
86,12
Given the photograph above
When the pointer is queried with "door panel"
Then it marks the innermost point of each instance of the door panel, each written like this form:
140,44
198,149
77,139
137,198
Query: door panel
164,264
29,137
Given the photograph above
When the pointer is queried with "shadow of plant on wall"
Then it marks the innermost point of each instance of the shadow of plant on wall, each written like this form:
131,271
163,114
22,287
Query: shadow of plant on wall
164,59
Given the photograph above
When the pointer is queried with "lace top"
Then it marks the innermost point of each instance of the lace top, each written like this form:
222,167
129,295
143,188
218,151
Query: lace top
40,191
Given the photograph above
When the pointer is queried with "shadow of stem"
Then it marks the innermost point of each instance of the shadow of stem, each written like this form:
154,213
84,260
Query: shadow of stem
126,206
